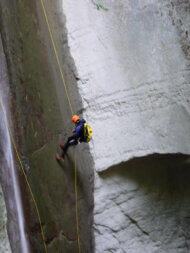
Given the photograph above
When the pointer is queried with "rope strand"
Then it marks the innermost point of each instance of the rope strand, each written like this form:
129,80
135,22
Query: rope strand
56,54
68,98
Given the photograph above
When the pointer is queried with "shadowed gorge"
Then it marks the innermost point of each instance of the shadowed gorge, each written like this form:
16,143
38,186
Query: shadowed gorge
150,196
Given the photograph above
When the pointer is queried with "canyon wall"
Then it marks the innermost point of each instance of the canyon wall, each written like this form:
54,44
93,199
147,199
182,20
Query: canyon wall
133,70
127,66
40,120
8,210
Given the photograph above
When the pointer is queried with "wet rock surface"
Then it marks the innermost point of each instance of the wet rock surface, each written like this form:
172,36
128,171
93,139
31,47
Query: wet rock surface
8,212
41,120
4,240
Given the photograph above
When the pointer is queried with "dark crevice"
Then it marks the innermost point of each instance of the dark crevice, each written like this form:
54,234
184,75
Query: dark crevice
158,201
169,173
133,221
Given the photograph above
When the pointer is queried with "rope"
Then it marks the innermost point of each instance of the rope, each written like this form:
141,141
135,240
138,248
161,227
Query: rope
68,98
25,176
16,150
56,54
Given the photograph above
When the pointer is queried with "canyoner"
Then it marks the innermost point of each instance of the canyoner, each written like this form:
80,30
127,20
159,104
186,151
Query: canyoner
82,133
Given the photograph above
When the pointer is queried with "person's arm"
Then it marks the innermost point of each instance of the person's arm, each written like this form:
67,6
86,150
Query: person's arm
77,130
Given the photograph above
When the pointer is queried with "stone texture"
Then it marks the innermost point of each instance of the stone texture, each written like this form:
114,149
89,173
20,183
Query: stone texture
41,119
131,66
143,206
4,240
133,71
8,212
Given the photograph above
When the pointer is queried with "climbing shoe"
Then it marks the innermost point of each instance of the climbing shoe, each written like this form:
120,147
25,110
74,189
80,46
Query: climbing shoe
59,157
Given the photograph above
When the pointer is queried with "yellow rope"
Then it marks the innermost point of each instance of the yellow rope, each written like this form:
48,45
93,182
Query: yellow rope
16,150
68,98
18,156
56,54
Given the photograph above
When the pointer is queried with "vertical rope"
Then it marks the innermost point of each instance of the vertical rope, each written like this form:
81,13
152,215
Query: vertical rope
68,98
56,54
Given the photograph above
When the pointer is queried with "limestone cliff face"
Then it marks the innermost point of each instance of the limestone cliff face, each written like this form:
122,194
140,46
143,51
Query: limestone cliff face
133,68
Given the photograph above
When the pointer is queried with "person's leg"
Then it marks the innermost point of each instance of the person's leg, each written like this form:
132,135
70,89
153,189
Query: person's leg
71,141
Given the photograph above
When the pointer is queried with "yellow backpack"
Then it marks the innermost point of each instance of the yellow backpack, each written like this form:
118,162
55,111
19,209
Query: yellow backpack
87,132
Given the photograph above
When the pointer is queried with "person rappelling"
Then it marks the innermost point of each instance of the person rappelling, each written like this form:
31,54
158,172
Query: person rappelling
81,133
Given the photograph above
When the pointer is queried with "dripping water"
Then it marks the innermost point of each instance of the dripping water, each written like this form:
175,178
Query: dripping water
8,177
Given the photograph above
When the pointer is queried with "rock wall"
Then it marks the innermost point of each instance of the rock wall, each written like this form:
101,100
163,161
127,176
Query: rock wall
8,211
143,206
133,71
128,74
41,119
4,241
133,68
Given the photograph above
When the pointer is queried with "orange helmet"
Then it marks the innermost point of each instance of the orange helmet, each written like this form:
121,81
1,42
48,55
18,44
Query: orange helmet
75,118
